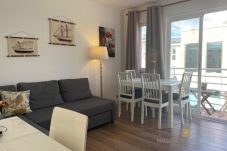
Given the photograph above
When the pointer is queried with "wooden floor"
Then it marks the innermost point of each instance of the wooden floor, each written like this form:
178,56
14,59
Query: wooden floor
123,135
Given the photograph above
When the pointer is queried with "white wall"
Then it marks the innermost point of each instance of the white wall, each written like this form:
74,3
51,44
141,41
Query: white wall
59,62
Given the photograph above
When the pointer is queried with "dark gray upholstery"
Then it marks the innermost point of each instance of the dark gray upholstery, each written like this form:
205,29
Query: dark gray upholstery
42,94
94,108
138,94
8,88
176,97
90,106
74,89
41,116
76,92
164,99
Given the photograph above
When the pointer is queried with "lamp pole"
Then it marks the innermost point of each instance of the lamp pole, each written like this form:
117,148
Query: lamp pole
101,78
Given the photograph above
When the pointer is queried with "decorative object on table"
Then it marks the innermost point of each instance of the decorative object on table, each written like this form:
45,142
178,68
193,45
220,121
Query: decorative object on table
3,129
62,31
107,39
16,102
99,53
22,46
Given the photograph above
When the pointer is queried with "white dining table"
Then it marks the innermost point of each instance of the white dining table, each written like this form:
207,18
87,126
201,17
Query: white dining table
20,136
167,85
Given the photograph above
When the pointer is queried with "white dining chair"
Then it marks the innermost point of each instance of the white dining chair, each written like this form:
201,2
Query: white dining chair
133,71
127,92
152,95
182,98
69,128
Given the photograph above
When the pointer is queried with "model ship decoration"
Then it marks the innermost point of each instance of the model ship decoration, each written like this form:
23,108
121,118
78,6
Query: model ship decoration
22,46
61,31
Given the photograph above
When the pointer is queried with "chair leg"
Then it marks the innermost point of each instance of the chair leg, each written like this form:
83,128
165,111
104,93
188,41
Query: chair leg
153,112
189,111
126,106
132,111
142,113
160,118
186,111
146,111
119,108
181,113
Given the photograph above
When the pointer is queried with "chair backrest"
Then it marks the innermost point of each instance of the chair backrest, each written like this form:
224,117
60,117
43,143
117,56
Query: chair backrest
133,73
185,84
151,87
69,128
126,85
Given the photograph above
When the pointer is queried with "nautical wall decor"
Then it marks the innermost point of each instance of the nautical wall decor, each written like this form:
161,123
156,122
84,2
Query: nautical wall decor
62,32
107,38
22,46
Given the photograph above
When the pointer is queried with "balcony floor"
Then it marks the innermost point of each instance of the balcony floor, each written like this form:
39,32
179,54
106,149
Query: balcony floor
217,114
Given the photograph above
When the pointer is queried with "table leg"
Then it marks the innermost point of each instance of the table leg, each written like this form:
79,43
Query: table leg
170,108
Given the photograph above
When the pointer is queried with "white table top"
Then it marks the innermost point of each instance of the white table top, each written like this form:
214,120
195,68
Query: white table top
21,136
165,83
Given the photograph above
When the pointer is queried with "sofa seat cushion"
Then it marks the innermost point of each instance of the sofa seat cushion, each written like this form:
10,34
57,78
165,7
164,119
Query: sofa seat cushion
74,89
42,94
41,117
91,106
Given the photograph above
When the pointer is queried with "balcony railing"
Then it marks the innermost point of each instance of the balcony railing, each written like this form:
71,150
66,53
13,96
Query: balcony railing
216,79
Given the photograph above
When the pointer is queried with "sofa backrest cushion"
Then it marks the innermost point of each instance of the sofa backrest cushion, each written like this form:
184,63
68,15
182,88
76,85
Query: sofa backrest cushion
74,89
42,94
8,88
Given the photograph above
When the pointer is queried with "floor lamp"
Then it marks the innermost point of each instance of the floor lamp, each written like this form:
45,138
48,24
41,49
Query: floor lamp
99,53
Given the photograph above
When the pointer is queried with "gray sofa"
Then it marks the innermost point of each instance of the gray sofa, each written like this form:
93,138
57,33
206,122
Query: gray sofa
73,94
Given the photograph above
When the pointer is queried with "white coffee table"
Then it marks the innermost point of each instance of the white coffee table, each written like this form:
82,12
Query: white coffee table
21,136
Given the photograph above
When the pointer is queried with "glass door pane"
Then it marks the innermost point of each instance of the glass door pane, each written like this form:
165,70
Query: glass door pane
184,54
214,64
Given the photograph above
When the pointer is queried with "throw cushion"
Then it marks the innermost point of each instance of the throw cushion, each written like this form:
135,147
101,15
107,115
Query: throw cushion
16,102
74,89
43,94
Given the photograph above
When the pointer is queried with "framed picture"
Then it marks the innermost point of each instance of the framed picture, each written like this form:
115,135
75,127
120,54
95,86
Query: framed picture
22,46
107,38
61,32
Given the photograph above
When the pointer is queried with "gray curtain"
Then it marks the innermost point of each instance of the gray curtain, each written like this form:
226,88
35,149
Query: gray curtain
154,46
132,55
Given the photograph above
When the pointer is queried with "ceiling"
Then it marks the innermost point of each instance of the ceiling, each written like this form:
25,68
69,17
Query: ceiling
126,3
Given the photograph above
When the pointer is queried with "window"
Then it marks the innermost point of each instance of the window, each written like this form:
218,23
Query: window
214,53
143,31
173,54
191,56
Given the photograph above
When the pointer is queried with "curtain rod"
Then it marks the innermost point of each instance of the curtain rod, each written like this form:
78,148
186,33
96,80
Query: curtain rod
145,10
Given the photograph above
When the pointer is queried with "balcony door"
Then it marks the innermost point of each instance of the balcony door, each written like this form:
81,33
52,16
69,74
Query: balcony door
184,54
198,44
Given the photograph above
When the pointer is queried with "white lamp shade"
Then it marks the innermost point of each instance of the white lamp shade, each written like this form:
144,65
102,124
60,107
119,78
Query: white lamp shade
99,53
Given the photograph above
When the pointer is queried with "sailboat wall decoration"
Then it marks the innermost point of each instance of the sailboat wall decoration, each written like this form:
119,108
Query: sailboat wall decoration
61,32
22,46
